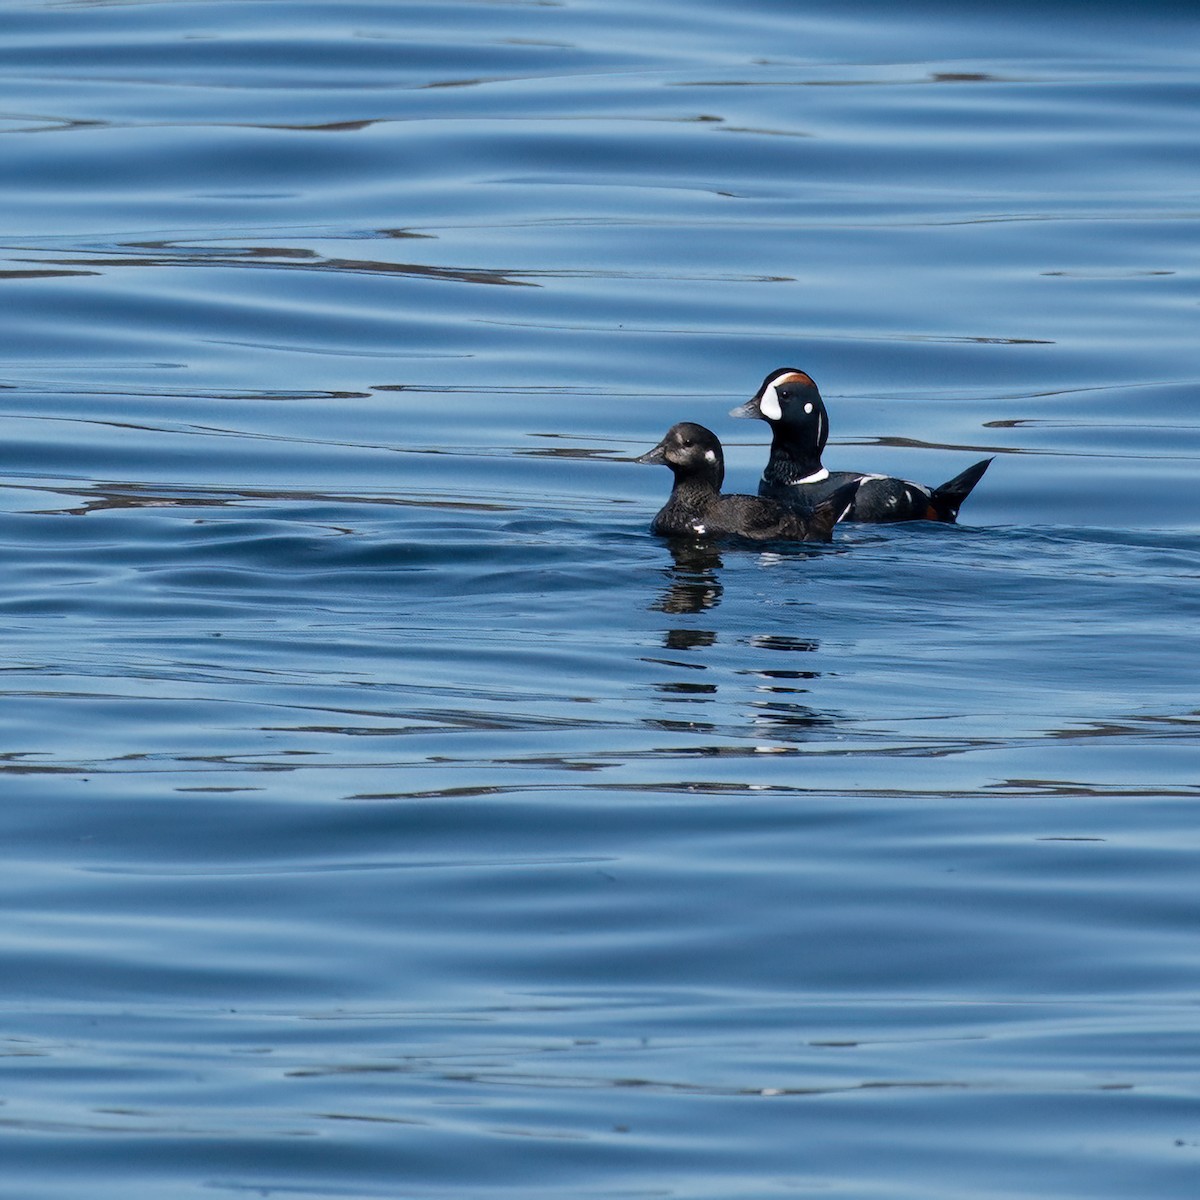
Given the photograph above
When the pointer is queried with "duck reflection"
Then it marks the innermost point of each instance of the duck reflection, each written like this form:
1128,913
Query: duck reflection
774,683
761,683
693,584
688,639
683,640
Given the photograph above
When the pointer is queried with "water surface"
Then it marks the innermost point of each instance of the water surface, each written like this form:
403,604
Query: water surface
386,812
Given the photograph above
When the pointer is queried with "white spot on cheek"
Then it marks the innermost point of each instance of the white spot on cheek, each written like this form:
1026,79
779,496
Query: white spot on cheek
710,455
698,528
769,404
808,407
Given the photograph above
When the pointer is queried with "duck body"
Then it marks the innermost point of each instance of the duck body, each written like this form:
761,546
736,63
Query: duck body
698,508
791,405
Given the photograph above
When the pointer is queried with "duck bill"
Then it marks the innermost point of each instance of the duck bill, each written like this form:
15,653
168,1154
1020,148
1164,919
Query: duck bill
656,457
749,409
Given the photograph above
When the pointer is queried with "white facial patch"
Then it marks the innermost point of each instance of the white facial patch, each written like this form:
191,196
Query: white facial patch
710,455
769,404
808,407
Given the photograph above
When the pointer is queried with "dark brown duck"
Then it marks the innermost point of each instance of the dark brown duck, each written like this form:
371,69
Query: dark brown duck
698,508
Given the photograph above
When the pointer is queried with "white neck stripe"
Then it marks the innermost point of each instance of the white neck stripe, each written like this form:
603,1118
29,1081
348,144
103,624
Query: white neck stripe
816,477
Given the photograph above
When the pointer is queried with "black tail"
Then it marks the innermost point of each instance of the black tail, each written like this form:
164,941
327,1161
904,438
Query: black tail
831,510
947,499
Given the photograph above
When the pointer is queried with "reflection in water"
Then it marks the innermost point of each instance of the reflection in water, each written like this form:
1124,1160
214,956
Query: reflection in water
784,681
688,639
693,583
782,715
101,498
765,695
683,689
686,689
693,586
180,254
782,641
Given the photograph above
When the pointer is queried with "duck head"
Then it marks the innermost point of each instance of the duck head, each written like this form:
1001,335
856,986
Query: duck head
692,452
790,403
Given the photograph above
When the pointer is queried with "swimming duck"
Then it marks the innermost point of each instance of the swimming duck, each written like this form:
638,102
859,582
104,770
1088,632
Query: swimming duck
697,508
790,403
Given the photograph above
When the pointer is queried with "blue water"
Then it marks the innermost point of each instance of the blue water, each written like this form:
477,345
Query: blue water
385,813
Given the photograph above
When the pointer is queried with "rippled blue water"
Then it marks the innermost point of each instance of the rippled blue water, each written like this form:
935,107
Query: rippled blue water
385,813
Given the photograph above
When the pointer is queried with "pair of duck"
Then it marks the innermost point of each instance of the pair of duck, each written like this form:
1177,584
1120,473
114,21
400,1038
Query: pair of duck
798,499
